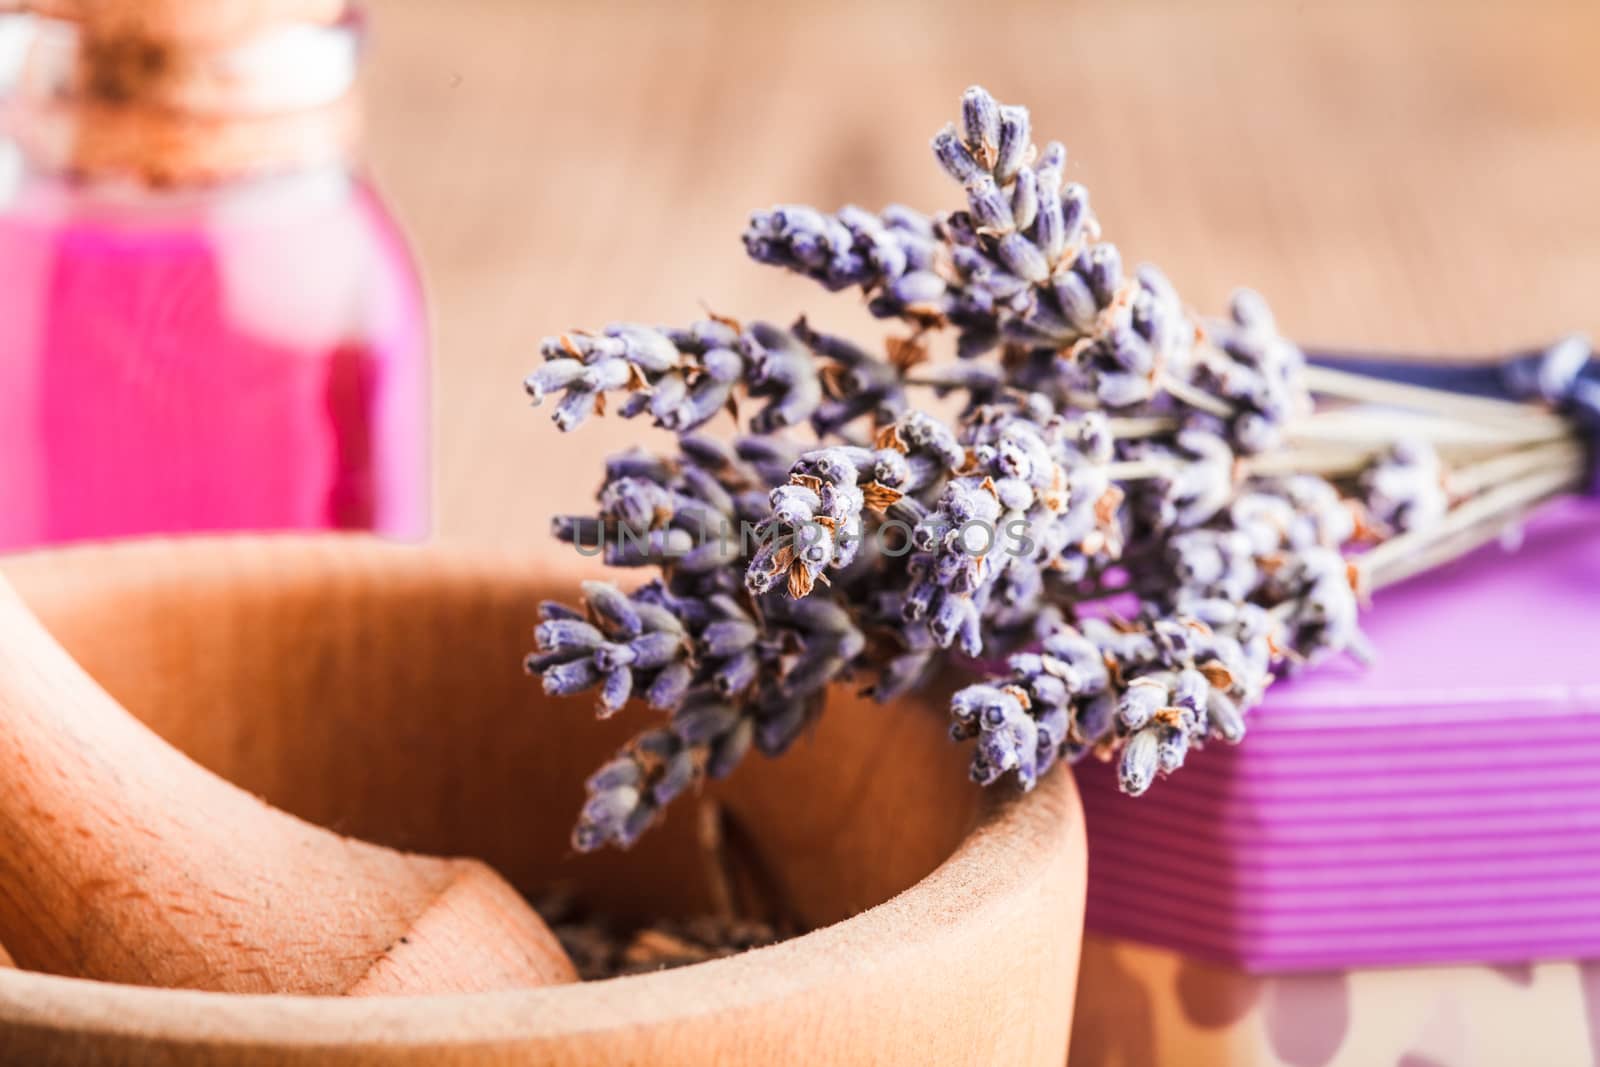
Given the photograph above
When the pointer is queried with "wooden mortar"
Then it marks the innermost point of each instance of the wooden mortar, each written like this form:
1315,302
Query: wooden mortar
379,691
122,860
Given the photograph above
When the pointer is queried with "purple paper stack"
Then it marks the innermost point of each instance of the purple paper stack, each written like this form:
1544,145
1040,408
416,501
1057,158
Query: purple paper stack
1442,805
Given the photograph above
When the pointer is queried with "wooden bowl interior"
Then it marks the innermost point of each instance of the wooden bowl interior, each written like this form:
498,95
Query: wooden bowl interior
379,691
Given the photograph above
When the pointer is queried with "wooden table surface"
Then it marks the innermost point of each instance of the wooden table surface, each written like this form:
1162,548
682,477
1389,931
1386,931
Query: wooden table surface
1414,176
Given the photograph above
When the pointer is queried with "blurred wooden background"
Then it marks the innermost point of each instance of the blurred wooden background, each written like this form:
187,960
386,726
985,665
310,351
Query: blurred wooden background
1418,176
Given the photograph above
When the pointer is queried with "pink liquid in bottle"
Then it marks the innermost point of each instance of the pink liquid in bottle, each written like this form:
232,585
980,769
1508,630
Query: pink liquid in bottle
248,360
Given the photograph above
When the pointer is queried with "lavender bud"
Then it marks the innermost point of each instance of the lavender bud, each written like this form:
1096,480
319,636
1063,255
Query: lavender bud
723,365
612,608
1077,300
657,616
724,638
1249,310
551,610
1023,258
737,673
679,773
967,704
563,635
1171,750
553,377
1013,143
1191,692
1025,199
1104,272
1122,389
1141,757
956,619
917,289
648,349
610,807
908,221
1075,214
1140,702
615,690
980,119
1225,717
666,398
989,207
575,407
1095,717
954,156
701,723
566,679
1130,352
605,376
539,662
654,650
618,774
1050,225
671,684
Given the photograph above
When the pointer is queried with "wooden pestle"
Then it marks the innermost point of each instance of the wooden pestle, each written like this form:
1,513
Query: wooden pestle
123,860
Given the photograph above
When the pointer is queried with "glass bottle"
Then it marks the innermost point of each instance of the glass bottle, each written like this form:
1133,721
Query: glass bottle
208,320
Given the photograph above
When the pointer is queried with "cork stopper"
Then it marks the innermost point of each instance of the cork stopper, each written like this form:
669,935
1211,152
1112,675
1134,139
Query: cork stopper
174,92
206,24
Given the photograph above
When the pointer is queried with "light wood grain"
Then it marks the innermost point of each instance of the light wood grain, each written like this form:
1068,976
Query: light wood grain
378,690
1417,176
122,860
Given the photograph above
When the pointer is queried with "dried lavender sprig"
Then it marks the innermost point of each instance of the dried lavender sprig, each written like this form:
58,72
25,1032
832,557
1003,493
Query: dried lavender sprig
1156,689
852,247
1024,265
692,512
714,363
625,646
681,377
1129,340
731,678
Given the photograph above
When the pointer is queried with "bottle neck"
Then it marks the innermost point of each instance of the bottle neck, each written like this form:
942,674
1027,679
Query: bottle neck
109,103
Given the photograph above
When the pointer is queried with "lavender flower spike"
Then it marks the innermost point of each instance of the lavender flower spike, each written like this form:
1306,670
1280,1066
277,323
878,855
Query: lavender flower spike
680,377
621,646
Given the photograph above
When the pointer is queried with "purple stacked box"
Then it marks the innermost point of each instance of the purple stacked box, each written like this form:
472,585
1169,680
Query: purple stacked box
1442,805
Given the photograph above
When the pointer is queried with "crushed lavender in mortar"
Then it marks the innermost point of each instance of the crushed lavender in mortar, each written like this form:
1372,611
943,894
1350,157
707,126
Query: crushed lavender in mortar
602,946
1138,520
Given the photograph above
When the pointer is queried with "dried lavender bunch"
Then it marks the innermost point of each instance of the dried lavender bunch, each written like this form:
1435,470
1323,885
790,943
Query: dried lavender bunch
729,678
1136,522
